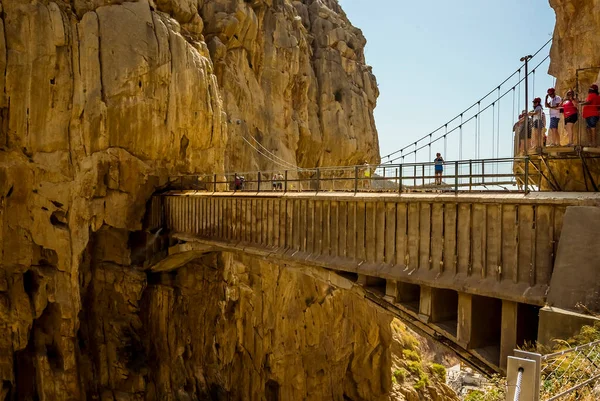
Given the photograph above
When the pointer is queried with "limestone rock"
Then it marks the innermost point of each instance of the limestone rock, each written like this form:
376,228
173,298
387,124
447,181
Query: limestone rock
101,102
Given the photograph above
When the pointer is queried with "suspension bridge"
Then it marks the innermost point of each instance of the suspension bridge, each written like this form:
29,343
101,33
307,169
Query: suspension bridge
474,259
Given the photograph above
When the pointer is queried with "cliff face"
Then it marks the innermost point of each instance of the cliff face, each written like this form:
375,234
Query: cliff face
575,45
100,102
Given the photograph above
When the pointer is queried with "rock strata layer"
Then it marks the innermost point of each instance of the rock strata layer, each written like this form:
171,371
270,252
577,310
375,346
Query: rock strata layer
101,101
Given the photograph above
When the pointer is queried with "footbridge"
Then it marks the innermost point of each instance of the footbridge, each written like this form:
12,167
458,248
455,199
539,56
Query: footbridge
474,267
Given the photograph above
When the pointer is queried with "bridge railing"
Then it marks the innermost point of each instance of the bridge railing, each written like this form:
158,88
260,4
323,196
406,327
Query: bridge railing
520,174
569,374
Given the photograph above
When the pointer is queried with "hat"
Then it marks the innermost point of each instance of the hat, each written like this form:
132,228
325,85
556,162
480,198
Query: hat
537,100
570,91
550,90
594,87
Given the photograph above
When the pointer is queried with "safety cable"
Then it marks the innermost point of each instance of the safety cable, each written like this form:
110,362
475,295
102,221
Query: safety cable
271,153
465,121
462,122
473,105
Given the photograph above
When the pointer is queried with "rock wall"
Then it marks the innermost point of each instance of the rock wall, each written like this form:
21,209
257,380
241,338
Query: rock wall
100,102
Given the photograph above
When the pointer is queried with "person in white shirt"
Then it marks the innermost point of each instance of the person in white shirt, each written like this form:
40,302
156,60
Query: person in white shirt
539,122
552,102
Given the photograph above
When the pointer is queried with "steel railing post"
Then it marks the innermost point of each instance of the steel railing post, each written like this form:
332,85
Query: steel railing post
285,182
456,176
355,179
423,174
259,177
483,171
318,179
526,174
470,175
400,180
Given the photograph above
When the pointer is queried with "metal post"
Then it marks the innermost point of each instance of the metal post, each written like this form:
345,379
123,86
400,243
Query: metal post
423,174
483,171
215,183
415,176
285,181
258,190
470,175
318,180
456,176
526,60
526,174
400,181
355,179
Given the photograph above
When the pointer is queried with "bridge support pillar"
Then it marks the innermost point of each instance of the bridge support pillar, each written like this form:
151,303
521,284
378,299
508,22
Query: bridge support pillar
508,335
391,291
425,303
465,319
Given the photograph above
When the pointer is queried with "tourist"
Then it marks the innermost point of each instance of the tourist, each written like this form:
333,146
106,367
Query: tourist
519,130
439,168
279,182
367,174
237,182
591,114
539,122
569,106
274,181
552,103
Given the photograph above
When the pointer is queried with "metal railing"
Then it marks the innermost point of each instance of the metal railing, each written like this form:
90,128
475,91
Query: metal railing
566,375
520,174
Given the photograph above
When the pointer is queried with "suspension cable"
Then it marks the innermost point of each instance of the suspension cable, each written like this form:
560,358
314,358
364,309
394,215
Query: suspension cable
473,105
271,153
267,157
465,121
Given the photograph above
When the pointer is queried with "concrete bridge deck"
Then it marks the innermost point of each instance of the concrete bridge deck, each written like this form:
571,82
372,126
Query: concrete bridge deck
478,266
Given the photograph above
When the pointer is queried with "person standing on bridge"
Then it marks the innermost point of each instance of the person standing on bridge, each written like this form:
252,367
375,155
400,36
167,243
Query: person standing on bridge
591,114
552,103
569,106
539,123
439,168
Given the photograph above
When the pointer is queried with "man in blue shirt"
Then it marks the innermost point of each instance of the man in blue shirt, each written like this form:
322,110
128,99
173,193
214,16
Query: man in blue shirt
439,168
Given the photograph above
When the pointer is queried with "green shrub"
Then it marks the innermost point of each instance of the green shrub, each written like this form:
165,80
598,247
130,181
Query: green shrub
422,383
414,367
475,395
438,371
411,355
400,375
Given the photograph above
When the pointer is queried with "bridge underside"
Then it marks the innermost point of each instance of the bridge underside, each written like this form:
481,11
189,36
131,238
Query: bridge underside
476,269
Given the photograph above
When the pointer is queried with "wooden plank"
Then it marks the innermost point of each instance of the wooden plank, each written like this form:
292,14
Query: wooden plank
544,248
425,236
317,228
493,240
334,240
304,222
361,211
559,214
343,229
402,235
351,230
265,212
296,232
369,231
326,225
478,233
437,236
526,238
290,224
390,233
380,228
275,228
450,238
464,239
414,217
510,244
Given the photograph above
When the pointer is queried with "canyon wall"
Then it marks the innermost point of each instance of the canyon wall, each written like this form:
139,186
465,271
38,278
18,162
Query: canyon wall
101,101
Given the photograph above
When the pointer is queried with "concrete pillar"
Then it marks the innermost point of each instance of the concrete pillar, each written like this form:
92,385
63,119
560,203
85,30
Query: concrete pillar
362,279
508,335
391,291
406,293
425,304
465,319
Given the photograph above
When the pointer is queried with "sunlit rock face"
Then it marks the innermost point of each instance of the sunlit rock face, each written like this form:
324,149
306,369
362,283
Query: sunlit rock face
100,102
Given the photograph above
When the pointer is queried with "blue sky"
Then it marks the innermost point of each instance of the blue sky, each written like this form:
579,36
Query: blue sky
435,58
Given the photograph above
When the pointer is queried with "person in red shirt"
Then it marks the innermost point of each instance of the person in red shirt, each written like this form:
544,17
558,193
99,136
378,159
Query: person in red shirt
591,114
569,106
